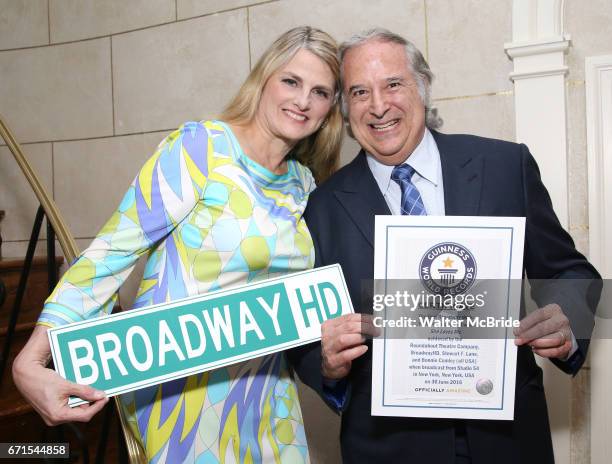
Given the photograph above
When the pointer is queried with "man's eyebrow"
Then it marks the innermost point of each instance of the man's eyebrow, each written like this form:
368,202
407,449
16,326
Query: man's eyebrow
388,80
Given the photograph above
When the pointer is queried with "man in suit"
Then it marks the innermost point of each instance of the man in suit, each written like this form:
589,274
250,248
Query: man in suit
407,167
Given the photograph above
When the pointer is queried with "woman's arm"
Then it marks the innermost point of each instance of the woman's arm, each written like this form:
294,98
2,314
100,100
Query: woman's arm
163,193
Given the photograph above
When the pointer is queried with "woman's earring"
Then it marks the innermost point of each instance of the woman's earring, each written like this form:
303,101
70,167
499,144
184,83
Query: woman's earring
324,124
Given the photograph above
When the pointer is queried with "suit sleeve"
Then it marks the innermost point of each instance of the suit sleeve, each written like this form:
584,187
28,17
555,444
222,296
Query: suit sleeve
557,272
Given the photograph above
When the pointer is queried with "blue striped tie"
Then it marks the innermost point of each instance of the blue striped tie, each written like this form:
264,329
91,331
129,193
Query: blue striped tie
412,204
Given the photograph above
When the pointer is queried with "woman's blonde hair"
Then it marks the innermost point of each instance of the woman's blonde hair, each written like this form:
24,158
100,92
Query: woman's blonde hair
321,150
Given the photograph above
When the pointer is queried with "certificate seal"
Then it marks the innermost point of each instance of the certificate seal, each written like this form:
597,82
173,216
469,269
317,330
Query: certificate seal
447,268
484,386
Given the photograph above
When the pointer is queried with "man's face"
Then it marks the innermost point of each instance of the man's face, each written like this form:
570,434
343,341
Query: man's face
385,110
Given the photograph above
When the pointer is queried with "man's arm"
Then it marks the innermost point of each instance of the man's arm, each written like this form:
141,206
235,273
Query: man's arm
324,366
564,284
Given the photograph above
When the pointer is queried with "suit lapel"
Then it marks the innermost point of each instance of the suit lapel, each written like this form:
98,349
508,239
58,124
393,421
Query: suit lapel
360,196
462,172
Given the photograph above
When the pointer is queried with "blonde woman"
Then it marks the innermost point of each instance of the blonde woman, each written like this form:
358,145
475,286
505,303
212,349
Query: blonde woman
219,204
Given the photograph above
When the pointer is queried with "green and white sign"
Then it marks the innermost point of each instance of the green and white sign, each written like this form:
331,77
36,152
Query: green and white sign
148,346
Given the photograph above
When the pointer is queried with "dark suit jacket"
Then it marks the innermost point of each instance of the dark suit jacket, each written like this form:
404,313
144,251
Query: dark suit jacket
481,177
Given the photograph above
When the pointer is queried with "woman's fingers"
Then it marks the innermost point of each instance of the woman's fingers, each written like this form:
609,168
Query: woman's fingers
85,412
49,393
84,392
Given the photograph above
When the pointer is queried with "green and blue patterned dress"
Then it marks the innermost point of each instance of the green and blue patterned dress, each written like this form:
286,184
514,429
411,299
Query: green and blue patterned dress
208,218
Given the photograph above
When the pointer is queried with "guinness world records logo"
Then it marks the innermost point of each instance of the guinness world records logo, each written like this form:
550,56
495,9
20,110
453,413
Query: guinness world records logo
448,269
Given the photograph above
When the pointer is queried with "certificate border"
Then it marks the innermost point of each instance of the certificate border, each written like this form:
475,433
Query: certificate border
383,403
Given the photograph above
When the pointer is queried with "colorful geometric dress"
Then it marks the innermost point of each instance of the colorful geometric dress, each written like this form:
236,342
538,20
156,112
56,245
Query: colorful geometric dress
207,217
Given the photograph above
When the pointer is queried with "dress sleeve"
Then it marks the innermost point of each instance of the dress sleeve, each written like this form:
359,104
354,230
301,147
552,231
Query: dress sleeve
165,190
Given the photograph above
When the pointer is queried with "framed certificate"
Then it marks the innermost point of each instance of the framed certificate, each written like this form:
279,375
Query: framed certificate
447,297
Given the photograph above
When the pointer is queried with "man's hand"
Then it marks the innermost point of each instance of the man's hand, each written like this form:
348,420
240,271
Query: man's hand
547,330
342,341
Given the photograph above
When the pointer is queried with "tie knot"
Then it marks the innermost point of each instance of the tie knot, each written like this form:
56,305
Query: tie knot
412,203
402,173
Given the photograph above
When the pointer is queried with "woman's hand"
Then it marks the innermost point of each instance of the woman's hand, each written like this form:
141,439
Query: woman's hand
45,390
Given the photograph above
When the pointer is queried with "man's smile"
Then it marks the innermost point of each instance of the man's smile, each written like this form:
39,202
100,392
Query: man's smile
384,127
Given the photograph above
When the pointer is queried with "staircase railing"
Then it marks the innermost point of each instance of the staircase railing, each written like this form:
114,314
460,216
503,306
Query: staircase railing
135,452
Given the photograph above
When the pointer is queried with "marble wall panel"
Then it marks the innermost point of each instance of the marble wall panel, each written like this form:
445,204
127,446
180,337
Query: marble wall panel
577,167
589,25
488,116
58,92
466,46
17,198
191,8
340,18
170,74
91,177
580,446
349,150
81,19
23,23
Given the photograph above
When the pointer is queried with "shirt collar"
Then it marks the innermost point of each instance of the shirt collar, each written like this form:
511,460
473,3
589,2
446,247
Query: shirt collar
424,159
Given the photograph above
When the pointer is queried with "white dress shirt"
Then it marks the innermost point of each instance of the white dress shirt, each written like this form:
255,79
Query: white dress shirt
425,160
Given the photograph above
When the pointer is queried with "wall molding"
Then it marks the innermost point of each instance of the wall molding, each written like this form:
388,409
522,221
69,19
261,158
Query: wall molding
543,72
598,72
599,151
538,51
536,19
537,47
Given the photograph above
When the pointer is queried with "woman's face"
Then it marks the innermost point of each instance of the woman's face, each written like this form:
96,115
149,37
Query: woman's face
297,98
